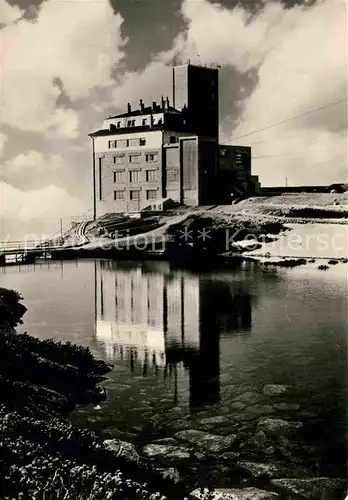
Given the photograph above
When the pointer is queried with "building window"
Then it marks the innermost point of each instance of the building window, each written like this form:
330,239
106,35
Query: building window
134,195
173,175
151,175
142,141
151,194
121,143
119,176
129,123
118,159
133,143
151,157
144,121
118,195
133,123
134,158
134,176
112,144
100,178
118,124
172,139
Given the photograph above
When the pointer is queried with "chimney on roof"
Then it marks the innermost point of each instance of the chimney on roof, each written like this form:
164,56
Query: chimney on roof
167,103
141,105
129,108
162,103
154,105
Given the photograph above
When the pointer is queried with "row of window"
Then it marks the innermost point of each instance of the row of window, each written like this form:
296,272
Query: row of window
151,194
150,176
135,158
127,143
134,176
134,143
144,122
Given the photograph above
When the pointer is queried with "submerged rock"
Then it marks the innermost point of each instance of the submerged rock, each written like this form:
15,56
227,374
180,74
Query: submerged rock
218,420
179,425
210,442
236,494
274,389
256,411
257,441
287,406
122,449
315,488
113,386
167,451
277,426
237,406
249,397
166,441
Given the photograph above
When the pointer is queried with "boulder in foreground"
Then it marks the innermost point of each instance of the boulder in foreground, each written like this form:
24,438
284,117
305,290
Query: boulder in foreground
316,488
236,494
210,442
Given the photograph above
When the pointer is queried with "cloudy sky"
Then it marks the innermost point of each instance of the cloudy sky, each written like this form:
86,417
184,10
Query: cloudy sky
68,64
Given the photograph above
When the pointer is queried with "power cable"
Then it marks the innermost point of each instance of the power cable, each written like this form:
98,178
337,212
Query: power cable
287,120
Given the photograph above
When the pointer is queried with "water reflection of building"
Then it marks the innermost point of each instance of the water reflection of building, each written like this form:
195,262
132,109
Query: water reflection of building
156,321
128,319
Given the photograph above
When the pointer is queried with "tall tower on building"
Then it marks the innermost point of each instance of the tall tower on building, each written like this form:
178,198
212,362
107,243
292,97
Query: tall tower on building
196,89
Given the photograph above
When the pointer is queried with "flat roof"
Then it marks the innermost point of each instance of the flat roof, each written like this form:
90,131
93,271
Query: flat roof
129,130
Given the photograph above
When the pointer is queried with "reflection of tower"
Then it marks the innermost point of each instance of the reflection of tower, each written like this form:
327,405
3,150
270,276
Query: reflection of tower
242,308
232,308
192,336
162,320
205,366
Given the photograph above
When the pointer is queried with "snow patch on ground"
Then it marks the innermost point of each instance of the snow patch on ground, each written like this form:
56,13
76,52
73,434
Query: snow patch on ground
318,241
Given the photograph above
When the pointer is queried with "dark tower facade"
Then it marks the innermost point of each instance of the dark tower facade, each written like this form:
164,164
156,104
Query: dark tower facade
196,90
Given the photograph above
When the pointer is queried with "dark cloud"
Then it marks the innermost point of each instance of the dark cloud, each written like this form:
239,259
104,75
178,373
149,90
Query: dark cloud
235,88
150,26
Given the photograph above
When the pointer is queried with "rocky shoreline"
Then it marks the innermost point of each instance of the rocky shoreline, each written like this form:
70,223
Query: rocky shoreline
43,456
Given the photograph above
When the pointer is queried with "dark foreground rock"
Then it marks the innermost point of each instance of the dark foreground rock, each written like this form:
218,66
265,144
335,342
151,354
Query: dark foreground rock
236,494
166,451
259,470
315,488
42,455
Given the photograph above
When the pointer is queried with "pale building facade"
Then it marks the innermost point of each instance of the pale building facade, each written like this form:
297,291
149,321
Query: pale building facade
166,151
